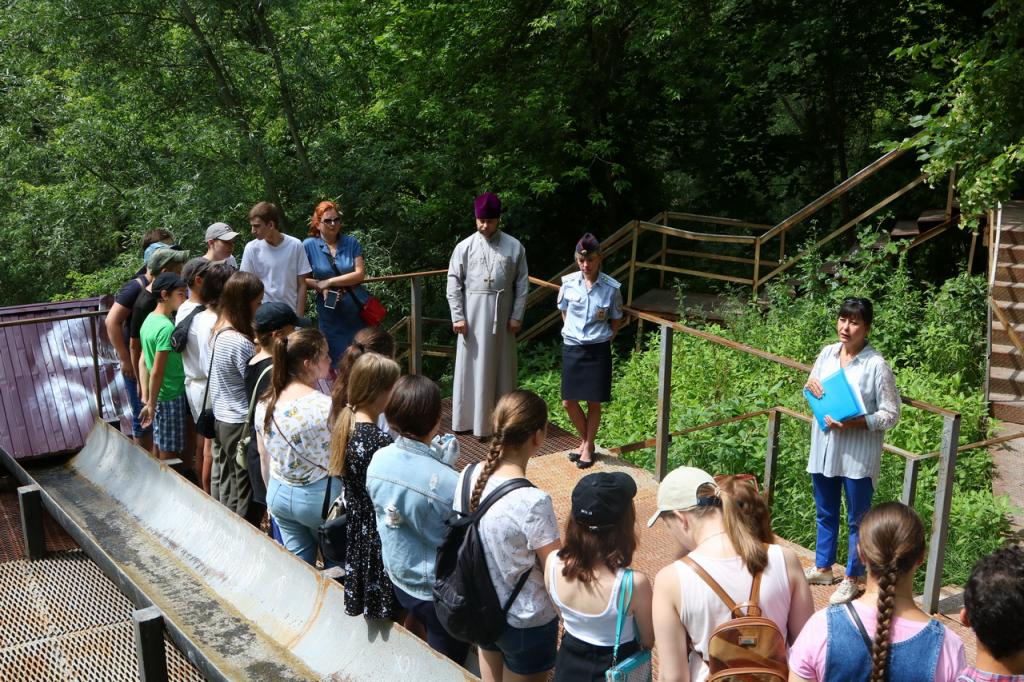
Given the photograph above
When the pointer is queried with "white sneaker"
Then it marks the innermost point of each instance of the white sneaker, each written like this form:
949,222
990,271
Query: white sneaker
848,590
817,576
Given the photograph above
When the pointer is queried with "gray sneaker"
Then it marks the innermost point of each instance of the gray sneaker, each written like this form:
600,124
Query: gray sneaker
816,576
848,590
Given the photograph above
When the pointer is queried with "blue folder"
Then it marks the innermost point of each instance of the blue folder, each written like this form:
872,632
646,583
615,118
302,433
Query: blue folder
838,400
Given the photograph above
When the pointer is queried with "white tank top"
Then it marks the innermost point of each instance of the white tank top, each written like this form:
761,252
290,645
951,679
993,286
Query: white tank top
703,610
597,629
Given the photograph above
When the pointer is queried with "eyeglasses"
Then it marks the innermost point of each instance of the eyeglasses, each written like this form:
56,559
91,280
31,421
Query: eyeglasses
330,221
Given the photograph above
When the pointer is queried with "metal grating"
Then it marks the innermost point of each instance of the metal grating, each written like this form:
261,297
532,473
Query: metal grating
62,619
11,546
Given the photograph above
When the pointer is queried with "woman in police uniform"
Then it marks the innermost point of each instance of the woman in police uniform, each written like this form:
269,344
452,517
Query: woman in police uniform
591,306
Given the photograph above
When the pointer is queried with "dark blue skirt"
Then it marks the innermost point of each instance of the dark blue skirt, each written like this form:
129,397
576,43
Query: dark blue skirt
587,372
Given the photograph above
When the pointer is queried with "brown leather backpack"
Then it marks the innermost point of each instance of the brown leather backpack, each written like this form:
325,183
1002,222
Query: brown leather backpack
745,648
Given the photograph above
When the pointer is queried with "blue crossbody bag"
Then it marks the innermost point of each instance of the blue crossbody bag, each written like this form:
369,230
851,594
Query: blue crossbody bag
635,668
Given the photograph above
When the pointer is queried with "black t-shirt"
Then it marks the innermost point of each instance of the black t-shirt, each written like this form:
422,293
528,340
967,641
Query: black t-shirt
252,373
126,296
145,303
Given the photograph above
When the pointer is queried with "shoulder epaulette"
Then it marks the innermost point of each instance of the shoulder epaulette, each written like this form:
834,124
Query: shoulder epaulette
571,276
610,281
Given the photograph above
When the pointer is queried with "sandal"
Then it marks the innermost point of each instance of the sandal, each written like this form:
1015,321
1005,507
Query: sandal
574,456
581,464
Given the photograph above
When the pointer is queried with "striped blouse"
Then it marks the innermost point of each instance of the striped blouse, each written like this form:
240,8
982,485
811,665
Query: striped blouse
856,453
231,354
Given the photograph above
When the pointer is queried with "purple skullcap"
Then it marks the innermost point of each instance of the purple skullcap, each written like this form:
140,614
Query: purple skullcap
487,206
588,244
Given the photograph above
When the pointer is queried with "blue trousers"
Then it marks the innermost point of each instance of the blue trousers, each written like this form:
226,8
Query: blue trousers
827,496
298,511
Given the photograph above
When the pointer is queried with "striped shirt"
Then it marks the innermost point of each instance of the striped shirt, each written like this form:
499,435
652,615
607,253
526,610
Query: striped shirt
972,674
856,453
231,353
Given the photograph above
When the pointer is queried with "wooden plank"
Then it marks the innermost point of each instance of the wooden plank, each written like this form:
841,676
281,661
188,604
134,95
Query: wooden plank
834,193
407,275
695,273
697,236
715,220
932,233
719,257
1009,326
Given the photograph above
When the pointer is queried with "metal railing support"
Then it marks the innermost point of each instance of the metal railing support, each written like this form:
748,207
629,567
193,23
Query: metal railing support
416,326
663,435
150,648
910,470
96,367
940,516
771,458
30,504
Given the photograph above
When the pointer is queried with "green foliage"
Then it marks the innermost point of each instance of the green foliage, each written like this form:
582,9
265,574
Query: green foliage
933,337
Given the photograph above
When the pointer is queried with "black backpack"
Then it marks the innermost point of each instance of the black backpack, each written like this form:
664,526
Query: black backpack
464,596
179,337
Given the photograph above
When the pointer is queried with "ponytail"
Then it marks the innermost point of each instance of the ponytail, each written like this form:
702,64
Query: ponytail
747,522
517,416
891,545
366,340
372,375
289,356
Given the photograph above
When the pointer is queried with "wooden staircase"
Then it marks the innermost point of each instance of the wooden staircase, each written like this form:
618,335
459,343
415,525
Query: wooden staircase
1006,333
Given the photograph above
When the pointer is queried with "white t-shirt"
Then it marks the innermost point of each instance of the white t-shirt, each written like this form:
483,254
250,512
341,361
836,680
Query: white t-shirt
278,267
196,356
512,530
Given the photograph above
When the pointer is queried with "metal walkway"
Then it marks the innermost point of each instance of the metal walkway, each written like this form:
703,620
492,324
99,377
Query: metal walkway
240,605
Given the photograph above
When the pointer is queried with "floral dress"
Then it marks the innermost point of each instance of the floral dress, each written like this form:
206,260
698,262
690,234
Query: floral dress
368,590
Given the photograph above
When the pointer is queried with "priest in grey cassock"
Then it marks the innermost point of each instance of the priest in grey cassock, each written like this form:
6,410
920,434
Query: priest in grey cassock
487,282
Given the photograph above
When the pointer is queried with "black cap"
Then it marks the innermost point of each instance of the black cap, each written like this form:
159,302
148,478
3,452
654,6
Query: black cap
167,281
276,315
588,244
599,500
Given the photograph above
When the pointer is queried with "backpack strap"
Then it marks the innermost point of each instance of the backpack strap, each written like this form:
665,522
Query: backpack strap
860,626
466,489
496,494
712,583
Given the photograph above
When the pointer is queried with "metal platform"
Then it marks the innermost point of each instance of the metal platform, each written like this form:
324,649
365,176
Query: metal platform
240,605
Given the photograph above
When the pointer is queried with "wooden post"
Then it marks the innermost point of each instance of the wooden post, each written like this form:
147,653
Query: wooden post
782,247
950,193
416,326
940,516
970,255
632,264
771,458
664,250
663,436
150,648
910,469
30,504
757,264
96,367
639,334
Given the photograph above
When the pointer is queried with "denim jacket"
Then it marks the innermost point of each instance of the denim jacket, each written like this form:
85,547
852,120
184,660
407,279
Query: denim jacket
412,493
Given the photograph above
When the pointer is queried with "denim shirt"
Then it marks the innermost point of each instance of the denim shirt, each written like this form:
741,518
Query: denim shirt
412,493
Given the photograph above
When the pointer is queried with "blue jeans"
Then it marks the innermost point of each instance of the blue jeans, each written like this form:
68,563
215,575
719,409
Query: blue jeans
828,493
298,510
131,387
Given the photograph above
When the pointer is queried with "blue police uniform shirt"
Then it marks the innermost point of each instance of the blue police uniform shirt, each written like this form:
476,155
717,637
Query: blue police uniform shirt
588,314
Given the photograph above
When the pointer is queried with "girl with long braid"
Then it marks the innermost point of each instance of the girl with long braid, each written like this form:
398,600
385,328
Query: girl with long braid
518,532
882,635
355,437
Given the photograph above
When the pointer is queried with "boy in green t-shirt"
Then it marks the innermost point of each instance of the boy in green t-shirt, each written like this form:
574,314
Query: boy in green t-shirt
164,391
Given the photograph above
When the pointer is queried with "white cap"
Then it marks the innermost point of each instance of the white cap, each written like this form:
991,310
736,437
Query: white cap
679,489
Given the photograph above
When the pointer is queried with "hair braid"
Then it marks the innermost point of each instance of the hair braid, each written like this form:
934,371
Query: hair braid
886,604
490,464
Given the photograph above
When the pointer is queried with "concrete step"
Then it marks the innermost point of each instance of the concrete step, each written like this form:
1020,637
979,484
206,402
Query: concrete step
1007,382
1012,273
1008,292
1005,355
1008,410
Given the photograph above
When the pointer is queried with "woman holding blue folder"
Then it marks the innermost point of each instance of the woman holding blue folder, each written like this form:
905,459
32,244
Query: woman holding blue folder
847,454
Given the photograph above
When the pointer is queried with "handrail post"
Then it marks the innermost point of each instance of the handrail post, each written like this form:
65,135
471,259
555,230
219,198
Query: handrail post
664,249
940,516
757,263
96,367
632,264
416,326
910,470
663,436
771,457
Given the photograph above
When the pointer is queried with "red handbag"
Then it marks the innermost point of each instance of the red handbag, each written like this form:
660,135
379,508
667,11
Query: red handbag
372,312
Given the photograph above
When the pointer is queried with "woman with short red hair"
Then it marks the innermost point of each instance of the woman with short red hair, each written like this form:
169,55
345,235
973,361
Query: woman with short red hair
338,272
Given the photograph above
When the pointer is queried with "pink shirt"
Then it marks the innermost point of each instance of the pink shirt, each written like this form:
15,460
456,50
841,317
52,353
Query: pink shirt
807,656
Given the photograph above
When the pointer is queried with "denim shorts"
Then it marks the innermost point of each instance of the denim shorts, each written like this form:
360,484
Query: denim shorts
527,651
131,387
